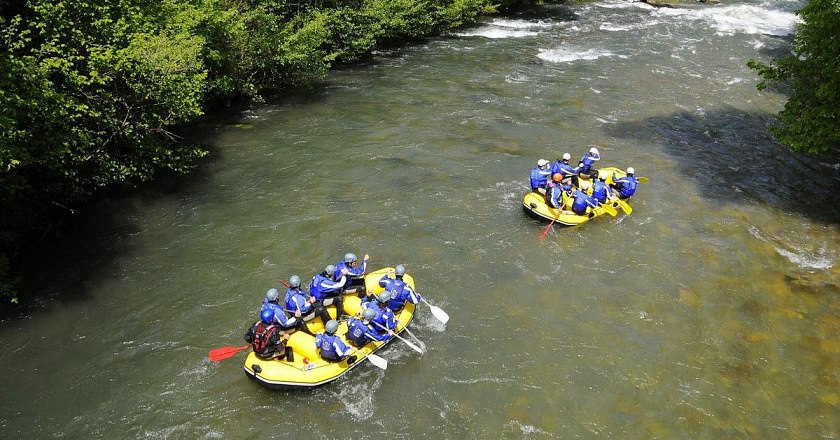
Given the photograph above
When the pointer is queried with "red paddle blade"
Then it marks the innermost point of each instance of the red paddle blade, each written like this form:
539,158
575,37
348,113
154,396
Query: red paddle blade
220,353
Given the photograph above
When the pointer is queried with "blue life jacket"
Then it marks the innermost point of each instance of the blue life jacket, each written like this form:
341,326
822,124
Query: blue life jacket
599,191
400,292
280,316
360,333
351,272
296,300
327,344
586,161
539,177
555,194
563,168
581,202
626,186
322,287
384,317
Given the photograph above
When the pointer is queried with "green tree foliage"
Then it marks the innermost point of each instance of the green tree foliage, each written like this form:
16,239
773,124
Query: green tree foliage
90,90
810,121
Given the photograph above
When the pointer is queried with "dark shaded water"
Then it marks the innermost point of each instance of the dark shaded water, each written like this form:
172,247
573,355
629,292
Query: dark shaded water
710,312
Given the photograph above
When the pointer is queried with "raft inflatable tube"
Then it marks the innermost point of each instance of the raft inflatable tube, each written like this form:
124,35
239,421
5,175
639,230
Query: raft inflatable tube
308,369
534,204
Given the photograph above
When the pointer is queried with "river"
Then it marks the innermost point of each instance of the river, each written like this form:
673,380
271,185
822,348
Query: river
710,312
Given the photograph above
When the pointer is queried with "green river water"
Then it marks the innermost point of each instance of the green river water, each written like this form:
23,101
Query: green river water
710,312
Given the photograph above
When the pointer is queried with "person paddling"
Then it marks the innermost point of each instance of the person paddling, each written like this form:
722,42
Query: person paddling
361,331
600,190
399,291
385,321
582,201
330,346
272,304
626,186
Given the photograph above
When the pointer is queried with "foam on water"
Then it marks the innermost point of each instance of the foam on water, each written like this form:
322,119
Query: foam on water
566,55
747,19
504,28
818,259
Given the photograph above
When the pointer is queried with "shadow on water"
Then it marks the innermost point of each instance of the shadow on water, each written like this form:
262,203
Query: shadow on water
731,155
82,248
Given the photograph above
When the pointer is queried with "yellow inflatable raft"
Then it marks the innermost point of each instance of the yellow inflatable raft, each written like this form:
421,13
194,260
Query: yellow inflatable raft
308,369
534,204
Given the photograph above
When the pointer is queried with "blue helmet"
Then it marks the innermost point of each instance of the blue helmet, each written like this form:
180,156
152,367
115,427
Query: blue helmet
267,316
400,270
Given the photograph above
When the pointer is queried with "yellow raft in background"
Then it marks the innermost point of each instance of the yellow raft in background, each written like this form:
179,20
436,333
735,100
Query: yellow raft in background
308,368
534,203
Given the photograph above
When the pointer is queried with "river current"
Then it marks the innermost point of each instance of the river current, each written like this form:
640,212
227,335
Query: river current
710,312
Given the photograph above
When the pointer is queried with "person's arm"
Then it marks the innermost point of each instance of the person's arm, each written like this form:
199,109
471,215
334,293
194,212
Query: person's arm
413,297
249,335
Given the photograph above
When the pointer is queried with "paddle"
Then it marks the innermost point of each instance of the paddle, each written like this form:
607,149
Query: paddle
218,354
642,179
437,312
547,228
407,342
380,362
624,206
608,208
416,339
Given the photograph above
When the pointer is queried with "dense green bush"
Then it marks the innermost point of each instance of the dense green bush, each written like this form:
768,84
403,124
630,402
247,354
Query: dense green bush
810,122
90,90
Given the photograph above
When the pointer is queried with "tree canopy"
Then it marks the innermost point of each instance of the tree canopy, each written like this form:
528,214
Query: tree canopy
810,121
91,90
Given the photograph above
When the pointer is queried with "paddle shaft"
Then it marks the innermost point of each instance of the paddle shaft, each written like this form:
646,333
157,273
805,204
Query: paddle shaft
407,342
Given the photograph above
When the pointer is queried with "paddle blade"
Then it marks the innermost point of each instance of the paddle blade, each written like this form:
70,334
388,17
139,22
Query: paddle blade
642,179
438,313
625,207
608,208
407,342
220,353
378,361
547,228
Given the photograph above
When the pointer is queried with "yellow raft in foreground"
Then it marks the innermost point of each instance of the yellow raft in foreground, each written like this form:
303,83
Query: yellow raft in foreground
308,368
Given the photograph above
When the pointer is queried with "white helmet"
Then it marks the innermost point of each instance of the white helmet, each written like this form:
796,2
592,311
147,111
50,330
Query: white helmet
594,150
630,170
542,163
567,156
